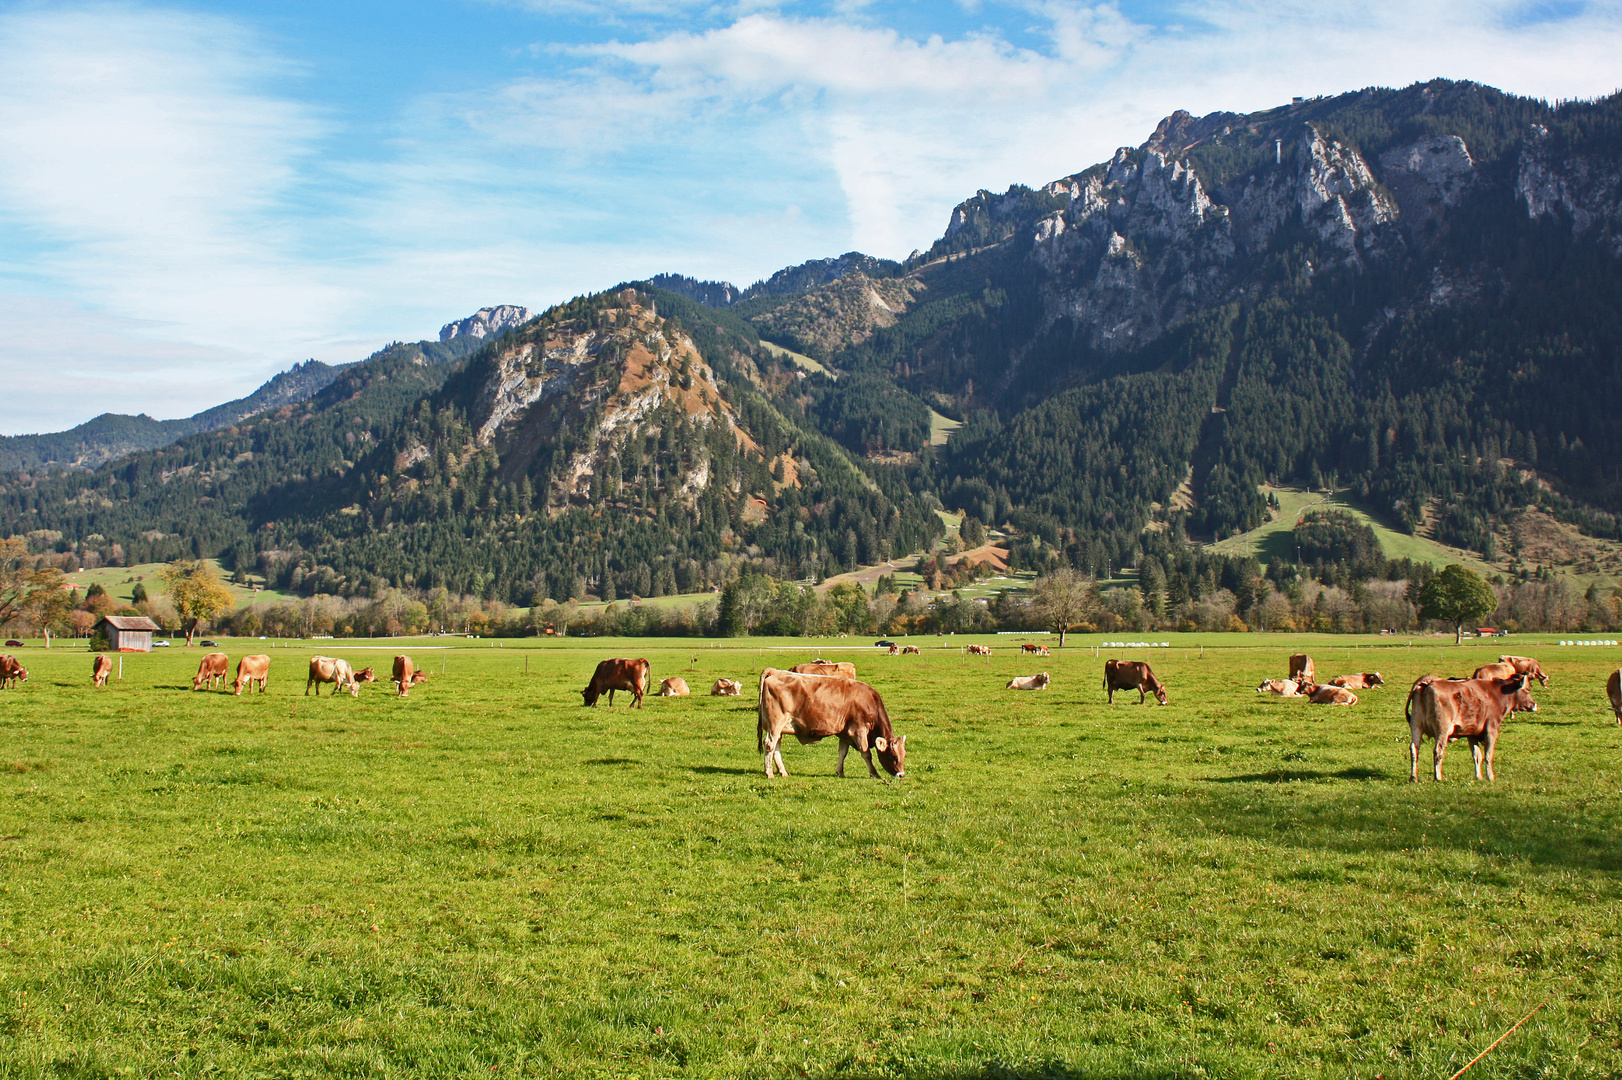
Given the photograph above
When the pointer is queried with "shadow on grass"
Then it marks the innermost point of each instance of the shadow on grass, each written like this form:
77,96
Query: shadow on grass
1284,776
721,770
1055,1070
612,761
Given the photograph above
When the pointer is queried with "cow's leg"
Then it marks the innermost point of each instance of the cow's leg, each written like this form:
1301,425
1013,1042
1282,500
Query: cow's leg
1492,745
844,748
1476,753
1441,751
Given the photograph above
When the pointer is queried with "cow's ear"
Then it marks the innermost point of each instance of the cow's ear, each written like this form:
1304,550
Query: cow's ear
881,744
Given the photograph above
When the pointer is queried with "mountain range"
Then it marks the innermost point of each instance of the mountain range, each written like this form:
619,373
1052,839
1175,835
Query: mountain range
1410,295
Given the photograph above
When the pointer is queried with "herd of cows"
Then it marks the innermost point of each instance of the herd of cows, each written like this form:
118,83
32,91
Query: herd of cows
819,699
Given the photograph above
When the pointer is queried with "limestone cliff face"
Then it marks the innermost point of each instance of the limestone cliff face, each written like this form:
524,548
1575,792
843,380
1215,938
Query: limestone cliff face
487,322
846,311
582,389
1578,188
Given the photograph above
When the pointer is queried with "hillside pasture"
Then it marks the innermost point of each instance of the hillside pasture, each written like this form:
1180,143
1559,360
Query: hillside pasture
489,878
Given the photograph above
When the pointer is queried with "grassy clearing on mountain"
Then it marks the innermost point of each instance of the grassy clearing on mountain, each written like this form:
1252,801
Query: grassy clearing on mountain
488,877
119,581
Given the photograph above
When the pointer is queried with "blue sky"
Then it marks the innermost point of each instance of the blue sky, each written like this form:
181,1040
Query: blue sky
194,196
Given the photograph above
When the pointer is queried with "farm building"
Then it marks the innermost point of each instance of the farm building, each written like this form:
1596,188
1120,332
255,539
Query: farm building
128,633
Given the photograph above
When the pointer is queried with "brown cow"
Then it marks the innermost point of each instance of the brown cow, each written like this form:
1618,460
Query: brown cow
814,707
252,669
618,674
327,669
1613,690
894,649
1332,695
1510,666
674,687
1361,681
726,688
368,675
1301,669
212,667
1034,650
11,672
403,675
824,667
980,650
1473,709
1132,675
911,650
1281,687
100,668
1028,682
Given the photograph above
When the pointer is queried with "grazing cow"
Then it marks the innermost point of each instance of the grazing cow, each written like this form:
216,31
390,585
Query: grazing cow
1028,682
824,667
726,688
618,674
100,668
1034,650
894,649
403,675
1281,687
911,650
1332,695
1362,681
674,687
11,672
980,650
815,707
1510,666
1132,675
1301,669
212,667
327,669
1613,690
1473,709
250,670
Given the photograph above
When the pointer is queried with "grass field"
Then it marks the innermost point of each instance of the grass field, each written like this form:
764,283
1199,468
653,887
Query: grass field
119,581
489,879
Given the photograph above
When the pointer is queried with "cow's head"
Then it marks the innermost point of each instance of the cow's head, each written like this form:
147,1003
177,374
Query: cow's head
1520,697
418,677
591,694
1157,689
892,754
366,675
1374,679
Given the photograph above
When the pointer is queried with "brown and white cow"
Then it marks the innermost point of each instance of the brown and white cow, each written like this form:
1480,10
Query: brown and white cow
911,650
980,650
675,686
1510,666
1473,709
1613,690
1281,687
1301,669
328,669
1132,675
11,672
826,667
100,668
1361,681
813,707
403,675
252,669
1034,650
1028,682
1332,695
894,650
726,688
618,674
213,666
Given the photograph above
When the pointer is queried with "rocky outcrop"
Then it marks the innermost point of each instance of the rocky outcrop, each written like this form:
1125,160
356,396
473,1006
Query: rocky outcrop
846,311
487,322
1428,178
1578,188
622,375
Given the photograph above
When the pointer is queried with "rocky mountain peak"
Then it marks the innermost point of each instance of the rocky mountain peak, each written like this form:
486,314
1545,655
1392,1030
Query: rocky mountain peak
487,322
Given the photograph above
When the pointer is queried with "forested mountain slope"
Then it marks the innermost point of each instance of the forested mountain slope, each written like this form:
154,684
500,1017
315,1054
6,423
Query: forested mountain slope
610,444
1413,295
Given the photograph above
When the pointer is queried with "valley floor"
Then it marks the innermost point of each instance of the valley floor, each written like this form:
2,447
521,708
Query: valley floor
487,877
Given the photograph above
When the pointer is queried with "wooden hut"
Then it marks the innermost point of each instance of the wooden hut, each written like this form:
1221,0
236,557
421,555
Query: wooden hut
128,633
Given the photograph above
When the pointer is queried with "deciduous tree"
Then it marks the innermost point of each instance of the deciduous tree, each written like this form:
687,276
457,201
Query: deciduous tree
197,593
1457,596
1062,599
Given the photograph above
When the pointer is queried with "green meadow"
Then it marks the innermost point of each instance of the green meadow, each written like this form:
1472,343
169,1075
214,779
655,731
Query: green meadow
488,879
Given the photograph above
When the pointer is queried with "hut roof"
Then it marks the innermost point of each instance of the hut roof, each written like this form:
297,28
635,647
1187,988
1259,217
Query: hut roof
130,622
